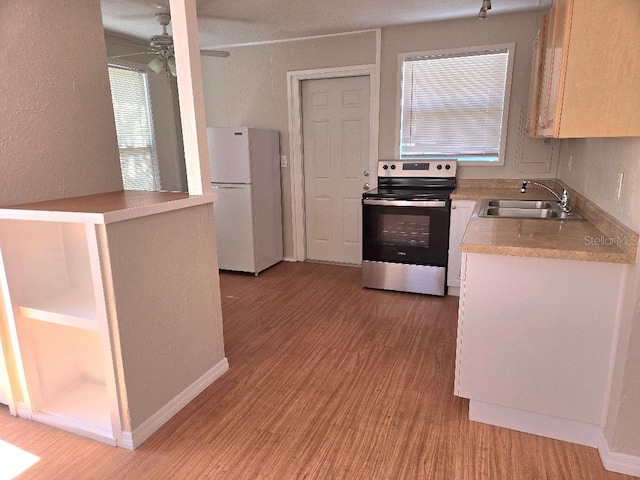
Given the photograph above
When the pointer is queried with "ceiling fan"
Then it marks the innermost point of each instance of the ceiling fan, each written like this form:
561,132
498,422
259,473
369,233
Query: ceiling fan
161,46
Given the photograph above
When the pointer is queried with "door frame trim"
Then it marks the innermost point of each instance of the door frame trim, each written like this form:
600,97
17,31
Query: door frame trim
294,97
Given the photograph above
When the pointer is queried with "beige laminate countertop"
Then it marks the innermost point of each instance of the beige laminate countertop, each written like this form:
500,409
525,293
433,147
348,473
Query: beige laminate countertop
568,240
104,207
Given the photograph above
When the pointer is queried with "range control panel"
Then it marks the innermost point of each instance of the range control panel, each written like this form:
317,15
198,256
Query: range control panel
421,168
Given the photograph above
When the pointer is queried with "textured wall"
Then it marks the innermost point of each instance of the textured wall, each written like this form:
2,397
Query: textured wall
168,304
524,157
57,133
595,167
249,88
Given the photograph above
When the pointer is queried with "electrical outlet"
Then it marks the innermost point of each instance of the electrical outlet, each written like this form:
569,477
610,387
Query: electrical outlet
620,179
283,161
570,162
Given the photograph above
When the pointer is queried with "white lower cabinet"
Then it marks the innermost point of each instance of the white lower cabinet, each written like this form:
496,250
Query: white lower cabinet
461,211
535,342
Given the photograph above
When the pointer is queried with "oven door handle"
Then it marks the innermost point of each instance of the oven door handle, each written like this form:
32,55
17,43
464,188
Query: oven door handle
407,203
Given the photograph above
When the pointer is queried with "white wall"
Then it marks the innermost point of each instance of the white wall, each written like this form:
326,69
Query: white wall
524,157
595,167
57,133
249,88
163,94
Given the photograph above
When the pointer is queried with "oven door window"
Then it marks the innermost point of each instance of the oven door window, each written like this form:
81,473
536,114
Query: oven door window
416,235
404,230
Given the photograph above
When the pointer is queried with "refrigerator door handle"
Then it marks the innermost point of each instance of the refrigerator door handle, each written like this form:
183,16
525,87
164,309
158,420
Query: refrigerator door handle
229,187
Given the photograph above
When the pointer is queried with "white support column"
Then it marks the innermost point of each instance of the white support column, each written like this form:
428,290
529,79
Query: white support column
192,113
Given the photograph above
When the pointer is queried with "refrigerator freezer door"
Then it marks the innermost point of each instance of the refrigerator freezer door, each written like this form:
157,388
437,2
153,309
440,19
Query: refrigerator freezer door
234,227
229,155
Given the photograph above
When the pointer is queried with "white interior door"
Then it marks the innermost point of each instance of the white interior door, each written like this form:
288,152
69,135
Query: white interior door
335,129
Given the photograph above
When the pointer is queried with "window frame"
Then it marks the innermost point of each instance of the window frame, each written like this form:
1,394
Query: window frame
144,71
510,47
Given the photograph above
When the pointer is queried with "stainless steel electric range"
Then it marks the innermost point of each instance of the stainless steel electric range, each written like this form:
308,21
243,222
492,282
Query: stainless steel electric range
405,226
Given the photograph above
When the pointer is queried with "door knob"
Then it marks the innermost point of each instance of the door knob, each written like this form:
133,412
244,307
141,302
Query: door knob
366,173
365,186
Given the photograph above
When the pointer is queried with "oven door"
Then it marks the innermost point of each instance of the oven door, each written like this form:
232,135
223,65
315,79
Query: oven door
412,232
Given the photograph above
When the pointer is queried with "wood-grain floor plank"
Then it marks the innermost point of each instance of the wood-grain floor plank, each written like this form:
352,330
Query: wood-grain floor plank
327,380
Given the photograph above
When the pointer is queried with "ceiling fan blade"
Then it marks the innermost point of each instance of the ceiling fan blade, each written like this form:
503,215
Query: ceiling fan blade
214,53
132,54
134,45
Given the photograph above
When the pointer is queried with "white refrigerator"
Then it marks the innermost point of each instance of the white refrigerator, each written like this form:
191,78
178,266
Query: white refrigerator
245,174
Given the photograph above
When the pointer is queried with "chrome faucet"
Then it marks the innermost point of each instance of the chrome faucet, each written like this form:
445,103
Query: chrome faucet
563,201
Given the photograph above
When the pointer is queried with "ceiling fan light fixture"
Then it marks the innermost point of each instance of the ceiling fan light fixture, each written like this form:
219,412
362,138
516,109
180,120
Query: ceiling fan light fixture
157,64
171,63
486,5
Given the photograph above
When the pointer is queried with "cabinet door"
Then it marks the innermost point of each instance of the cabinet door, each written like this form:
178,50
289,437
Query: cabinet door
537,334
537,66
461,211
557,43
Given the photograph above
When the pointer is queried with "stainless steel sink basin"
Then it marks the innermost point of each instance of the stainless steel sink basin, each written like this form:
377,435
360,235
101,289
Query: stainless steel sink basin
529,212
520,204
540,209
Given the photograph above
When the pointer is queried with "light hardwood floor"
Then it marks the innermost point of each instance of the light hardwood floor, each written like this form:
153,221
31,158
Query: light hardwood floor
327,381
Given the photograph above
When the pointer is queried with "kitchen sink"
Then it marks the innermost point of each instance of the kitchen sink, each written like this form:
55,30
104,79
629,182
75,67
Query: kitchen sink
520,204
536,209
520,212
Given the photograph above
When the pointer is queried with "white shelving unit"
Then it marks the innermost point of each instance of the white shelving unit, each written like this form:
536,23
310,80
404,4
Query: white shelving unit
73,308
60,325
82,408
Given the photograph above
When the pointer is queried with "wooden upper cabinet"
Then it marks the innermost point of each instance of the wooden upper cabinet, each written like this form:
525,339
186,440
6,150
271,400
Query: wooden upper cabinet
589,75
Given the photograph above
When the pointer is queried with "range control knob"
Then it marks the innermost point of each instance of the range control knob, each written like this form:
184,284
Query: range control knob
385,166
439,167
447,167
393,167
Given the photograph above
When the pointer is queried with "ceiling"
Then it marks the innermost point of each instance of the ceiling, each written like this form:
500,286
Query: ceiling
236,22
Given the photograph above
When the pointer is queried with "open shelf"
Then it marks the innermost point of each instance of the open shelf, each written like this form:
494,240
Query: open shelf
83,408
73,309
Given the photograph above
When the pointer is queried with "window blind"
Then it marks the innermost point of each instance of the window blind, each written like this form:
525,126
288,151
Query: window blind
134,127
453,105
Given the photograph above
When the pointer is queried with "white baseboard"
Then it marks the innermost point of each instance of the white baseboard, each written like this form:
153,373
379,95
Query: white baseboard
23,411
132,440
289,259
453,291
618,462
536,423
